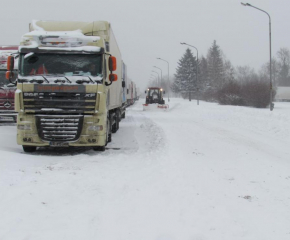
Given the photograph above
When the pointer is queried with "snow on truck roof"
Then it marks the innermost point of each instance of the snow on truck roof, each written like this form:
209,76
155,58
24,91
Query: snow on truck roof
59,40
66,35
96,28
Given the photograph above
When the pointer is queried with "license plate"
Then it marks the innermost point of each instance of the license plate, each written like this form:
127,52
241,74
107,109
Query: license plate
58,144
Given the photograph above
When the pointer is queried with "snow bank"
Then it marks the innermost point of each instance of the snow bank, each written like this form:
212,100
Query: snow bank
193,172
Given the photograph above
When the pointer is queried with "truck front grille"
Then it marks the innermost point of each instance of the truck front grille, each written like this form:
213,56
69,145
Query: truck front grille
59,102
59,128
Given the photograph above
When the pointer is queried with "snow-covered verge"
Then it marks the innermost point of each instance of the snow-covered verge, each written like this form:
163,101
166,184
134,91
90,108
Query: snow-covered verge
192,173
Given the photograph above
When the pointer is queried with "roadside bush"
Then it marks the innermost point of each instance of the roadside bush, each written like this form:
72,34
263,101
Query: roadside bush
209,95
230,94
254,93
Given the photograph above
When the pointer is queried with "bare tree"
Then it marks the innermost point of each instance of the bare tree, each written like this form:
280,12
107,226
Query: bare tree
284,66
265,72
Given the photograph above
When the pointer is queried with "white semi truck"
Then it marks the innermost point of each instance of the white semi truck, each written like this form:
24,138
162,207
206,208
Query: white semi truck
69,87
7,90
131,92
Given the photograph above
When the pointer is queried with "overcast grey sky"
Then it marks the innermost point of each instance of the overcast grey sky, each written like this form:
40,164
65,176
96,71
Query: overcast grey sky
146,29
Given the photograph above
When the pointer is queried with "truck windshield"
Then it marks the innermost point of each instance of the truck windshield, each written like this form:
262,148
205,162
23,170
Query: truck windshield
60,64
3,80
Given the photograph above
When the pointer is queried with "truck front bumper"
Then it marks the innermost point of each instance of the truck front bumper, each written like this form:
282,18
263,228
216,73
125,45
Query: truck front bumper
92,132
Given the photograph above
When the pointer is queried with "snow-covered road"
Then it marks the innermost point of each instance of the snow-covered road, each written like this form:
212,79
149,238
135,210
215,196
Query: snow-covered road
191,173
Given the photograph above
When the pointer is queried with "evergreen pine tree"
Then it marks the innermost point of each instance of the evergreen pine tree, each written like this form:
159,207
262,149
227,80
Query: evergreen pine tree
215,66
185,77
203,78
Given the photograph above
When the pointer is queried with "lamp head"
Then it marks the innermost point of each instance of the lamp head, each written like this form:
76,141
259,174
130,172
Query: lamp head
246,4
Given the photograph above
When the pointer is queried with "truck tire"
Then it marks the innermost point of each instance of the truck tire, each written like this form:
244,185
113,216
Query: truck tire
99,148
29,148
115,126
109,133
119,117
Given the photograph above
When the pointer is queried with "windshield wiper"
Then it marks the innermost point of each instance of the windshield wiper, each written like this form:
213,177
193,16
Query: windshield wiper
90,79
36,80
85,81
59,80
45,79
62,81
82,81
67,79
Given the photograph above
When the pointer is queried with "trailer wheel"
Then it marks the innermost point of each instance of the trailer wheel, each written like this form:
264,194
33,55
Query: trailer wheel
29,148
119,117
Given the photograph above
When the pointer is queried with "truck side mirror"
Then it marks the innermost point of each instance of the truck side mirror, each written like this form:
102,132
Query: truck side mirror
163,92
123,84
112,64
10,63
145,91
9,75
113,77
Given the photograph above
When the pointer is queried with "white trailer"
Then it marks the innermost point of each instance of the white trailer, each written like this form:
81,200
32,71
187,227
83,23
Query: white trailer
283,94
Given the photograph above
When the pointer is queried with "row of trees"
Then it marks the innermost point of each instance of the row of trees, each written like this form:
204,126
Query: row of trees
219,81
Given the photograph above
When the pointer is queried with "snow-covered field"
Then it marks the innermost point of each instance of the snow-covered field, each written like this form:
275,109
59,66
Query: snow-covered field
192,173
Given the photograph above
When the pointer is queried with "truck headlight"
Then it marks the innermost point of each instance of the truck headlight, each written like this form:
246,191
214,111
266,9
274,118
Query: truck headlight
24,127
96,128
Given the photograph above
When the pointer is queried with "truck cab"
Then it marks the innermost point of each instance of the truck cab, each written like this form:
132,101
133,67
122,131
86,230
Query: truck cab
67,89
7,90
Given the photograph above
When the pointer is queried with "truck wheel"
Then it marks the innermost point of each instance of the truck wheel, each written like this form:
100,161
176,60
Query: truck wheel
109,132
99,148
118,120
29,149
115,126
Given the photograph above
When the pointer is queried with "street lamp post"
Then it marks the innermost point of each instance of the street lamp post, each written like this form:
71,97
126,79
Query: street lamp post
157,78
161,75
196,69
168,76
271,84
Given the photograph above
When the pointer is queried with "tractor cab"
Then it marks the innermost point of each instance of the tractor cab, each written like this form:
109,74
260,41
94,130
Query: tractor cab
154,95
